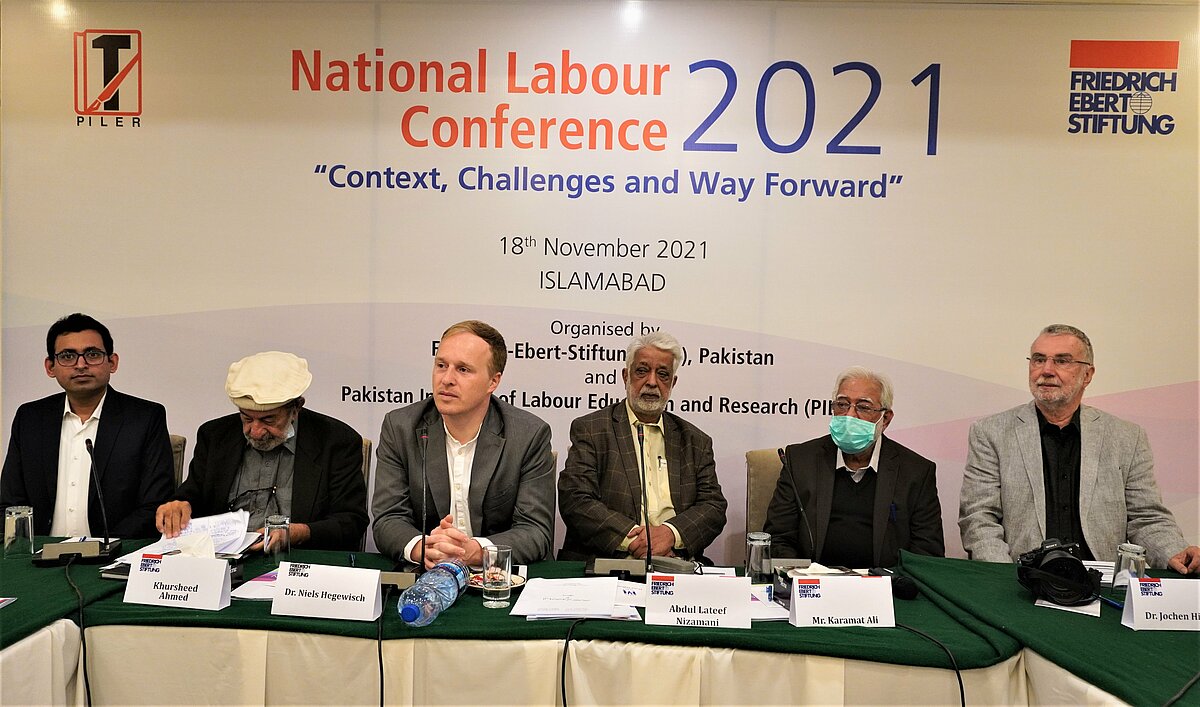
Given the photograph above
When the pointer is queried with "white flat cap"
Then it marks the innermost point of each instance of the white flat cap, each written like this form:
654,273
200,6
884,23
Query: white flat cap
267,380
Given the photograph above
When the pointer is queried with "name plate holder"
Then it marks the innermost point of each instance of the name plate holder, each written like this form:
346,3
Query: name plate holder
184,582
1153,604
327,592
837,602
712,601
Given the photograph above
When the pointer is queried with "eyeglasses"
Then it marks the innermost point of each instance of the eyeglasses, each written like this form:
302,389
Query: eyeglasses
864,409
1039,360
244,499
93,357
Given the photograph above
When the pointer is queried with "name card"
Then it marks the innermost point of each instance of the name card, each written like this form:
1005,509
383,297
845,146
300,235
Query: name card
1153,604
172,580
327,592
842,601
698,600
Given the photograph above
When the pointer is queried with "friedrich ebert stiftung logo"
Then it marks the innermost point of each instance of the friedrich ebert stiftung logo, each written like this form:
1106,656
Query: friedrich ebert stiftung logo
108,78
1122,87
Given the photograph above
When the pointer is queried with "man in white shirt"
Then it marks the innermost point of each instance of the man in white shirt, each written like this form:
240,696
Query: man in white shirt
56,440
485,466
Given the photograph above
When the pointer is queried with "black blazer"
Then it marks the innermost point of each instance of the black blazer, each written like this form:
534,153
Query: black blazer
328,490
907,513
133,462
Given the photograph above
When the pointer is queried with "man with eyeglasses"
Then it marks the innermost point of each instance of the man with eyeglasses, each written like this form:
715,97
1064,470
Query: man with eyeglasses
56,440
275,457
600,491
1055,468
855,498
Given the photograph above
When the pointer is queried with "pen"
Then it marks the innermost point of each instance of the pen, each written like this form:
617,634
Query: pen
1111,602
351,555
892,512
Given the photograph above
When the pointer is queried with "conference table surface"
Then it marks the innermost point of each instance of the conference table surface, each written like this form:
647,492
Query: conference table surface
977,610
974,644
1140,667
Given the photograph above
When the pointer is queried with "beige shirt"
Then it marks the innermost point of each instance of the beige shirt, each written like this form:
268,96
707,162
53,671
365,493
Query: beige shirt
658,481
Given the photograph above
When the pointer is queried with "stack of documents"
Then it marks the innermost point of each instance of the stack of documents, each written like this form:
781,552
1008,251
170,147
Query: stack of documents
227,533
582,598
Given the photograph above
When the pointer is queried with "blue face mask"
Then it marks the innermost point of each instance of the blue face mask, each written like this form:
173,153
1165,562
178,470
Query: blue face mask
851,434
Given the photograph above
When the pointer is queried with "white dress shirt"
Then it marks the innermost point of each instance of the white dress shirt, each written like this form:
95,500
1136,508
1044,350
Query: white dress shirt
460,457
74,472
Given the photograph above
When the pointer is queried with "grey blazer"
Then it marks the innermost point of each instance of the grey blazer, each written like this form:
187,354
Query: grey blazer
1002,510
511,498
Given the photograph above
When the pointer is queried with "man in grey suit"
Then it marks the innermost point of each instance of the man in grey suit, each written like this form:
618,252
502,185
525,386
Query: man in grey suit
600,490
1053,468
488,466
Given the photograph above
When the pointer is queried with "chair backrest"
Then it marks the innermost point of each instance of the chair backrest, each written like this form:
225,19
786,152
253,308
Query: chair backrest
762,474
367,464
178,445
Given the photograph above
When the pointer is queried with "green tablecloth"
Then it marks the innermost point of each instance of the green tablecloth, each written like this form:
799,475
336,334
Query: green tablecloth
44,596
974,646
1140,667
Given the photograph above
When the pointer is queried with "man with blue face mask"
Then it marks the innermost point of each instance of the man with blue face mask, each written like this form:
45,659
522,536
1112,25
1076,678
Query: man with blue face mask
274,457
855,498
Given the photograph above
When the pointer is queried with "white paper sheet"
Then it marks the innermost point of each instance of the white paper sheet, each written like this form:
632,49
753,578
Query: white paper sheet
585,597
1092,609
261,588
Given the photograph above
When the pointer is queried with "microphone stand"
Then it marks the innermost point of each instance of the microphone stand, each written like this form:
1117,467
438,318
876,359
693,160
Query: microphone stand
403,578
645,496
109,547
424,496
88,551
803,516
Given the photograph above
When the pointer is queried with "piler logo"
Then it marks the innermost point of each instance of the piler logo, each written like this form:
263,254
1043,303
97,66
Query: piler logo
108,72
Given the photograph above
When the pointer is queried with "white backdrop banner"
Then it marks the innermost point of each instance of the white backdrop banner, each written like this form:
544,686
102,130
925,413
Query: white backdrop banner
788,187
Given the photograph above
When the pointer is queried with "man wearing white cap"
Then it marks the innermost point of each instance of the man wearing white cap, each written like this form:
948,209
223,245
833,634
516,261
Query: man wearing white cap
275,457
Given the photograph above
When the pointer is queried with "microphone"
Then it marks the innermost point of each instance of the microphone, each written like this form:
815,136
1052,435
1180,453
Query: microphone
645,496
812,546
424,496
109,547
902,587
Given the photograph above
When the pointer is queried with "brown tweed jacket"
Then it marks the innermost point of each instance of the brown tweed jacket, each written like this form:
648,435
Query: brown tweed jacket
600,489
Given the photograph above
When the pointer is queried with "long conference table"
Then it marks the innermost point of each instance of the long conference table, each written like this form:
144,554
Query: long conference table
1009,652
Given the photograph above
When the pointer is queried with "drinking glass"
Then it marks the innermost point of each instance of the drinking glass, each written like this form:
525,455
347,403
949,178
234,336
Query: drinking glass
1130,564
758,558
278,541
18,532
497,576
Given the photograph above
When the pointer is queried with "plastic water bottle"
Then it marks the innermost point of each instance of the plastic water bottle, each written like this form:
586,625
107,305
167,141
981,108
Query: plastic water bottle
433,593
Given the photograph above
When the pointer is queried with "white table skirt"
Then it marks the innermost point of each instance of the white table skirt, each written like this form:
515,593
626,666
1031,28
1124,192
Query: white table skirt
41,669
168,665
1049,684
